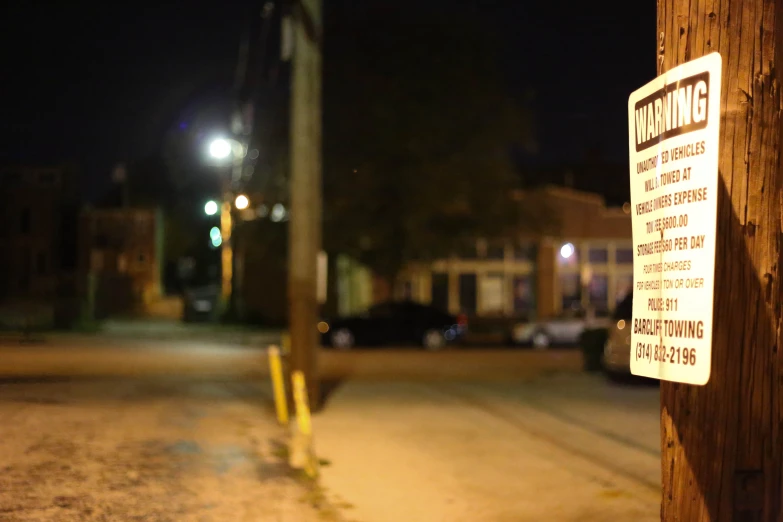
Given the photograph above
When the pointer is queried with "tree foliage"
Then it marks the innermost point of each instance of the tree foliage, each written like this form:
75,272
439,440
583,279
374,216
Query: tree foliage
418,130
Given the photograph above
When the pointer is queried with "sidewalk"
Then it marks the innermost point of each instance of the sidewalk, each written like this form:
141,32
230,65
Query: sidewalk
423,452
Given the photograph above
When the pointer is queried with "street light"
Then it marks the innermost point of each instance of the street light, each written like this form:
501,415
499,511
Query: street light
230,153
220,148
567,250
241,202
223,148
211,208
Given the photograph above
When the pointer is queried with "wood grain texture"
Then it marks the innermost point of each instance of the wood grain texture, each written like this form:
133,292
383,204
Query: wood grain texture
722,453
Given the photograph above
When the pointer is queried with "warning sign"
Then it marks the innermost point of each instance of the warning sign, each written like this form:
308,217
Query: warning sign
673,129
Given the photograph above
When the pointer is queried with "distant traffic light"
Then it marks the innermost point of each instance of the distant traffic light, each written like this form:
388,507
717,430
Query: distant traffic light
215,236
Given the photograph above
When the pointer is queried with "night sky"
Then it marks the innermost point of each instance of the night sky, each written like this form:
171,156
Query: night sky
102,83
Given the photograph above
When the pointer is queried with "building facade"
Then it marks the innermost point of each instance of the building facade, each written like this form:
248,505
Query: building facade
122,249
587,262
39,263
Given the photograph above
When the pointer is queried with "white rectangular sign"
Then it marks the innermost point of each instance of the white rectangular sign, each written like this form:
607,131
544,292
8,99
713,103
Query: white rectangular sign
673,145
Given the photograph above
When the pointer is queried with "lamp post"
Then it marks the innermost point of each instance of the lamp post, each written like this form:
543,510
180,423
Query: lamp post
231,151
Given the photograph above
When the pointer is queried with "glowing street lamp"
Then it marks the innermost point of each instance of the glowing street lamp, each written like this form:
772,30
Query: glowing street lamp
227,152
567,250
211,208
220,148
241,202
223,149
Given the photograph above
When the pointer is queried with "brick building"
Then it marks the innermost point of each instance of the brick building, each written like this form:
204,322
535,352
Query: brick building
122,251
586,259
39,262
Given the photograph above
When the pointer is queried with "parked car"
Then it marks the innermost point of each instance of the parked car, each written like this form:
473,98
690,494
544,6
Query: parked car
617,351
201,303
394,323
563,329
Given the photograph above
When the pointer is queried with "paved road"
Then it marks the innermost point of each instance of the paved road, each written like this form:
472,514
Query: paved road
460,435
562,448
159,449
106,356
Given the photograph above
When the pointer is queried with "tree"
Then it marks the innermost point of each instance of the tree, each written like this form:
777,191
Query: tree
722,453
418,131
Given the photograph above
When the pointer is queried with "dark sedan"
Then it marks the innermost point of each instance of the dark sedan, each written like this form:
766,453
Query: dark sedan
394,323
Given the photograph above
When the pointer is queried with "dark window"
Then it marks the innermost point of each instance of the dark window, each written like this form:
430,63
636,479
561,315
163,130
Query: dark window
525,252
599,256
24,273
624,256
142,258
440,291
496,252
523,294
24,221
467,293
69,238
570,291
599,292
101,241
42,263
468,251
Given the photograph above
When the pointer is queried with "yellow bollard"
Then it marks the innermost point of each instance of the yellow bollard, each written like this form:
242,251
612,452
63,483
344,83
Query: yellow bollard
303,450
278,385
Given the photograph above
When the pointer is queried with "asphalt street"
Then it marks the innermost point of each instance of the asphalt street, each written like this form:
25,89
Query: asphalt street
121,429
155,449
108,356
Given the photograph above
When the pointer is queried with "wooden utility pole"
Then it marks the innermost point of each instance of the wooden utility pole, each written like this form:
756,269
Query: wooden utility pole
305,186
722,443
